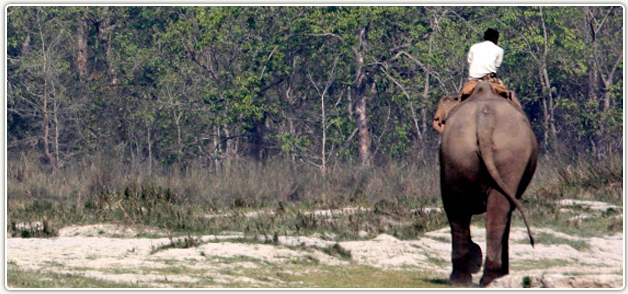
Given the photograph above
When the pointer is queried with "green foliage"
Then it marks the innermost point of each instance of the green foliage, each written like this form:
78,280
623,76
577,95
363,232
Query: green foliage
213,85
228,82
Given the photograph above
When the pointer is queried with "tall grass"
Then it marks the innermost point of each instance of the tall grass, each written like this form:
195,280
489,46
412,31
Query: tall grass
583,178
105,190
250,184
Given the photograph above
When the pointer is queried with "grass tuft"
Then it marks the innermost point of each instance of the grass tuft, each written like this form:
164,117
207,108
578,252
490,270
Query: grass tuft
337,251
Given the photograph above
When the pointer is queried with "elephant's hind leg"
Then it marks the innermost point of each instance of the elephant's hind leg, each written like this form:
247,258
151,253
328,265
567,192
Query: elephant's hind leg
461,255
499,212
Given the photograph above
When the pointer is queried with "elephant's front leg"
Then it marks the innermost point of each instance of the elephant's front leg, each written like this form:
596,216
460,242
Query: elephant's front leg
460,254
498,215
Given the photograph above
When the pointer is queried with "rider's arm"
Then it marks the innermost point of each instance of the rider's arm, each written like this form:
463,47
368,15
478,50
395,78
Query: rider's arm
470,55
500,57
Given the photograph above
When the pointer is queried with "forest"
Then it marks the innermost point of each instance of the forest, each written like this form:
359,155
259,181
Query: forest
210,87
274,123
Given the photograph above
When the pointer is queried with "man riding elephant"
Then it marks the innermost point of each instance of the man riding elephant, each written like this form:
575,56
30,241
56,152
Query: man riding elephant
484,59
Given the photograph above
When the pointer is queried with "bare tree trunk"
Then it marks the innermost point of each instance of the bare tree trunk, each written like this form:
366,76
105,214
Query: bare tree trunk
81,41
26,45
106,32
45,98
292,131
46,125
549,110
426,88
231,148
55,117
177,120
548,98
324,139
150,150
364,135
323,93
216,147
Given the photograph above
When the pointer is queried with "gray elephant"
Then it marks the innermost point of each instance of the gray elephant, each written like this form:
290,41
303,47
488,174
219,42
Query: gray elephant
487,157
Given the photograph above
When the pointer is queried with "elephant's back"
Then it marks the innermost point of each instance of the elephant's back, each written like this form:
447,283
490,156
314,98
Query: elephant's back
512,128
461,129
508,119
459,145
511,131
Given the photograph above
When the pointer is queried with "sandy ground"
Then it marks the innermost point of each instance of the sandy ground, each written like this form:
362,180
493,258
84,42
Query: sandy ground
113,253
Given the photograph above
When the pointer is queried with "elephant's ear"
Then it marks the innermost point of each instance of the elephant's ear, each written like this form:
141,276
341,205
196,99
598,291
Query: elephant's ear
445,105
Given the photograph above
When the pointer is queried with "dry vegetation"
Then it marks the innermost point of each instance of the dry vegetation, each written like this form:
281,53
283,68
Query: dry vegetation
271,203
277,198
103,191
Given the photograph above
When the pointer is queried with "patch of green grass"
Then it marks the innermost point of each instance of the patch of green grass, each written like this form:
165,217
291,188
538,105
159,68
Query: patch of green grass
439,260
308,259
539,264
346,276
18,278
355,276
551,239
53,263
238,259
304,273
598,224
174,269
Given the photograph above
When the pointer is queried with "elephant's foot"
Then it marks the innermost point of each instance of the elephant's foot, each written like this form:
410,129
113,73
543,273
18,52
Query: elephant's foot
486,280
475,257
459,279
490,275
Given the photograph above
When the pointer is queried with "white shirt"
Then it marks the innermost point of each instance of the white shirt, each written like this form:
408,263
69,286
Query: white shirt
484,58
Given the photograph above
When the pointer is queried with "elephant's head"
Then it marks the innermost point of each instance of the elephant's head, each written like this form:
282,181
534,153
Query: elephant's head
445,105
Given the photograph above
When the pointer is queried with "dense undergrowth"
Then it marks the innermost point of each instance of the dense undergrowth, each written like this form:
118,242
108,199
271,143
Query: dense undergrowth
588,180
275,199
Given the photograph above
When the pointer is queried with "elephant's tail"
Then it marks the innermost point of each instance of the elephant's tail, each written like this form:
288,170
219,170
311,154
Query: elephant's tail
486,127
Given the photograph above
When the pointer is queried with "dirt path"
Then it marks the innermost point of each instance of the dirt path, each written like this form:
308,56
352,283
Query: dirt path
113,253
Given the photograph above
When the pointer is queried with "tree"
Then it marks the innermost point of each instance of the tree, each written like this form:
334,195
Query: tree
209,86
38,81
603,61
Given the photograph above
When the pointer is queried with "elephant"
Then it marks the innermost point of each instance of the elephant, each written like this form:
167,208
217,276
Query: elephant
488,156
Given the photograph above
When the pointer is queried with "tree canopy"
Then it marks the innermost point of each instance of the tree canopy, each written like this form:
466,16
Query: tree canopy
317,84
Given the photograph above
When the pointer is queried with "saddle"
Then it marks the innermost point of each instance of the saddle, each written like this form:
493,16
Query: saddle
496,83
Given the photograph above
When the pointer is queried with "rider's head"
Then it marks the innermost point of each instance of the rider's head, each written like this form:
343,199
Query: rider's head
491,35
